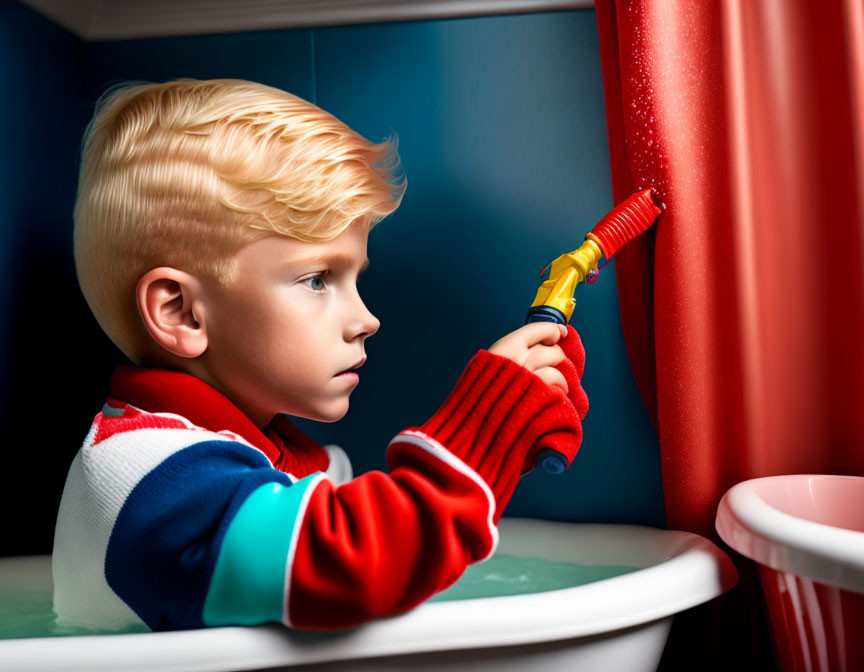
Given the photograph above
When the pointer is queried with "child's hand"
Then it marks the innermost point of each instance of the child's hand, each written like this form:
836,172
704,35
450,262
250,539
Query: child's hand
534,347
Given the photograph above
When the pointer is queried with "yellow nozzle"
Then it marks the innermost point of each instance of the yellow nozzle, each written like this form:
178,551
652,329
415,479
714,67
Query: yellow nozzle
565,273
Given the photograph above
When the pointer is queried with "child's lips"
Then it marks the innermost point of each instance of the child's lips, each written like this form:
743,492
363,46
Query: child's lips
353,369
349,377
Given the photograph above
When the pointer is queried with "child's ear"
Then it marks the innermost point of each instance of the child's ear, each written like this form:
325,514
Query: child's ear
170,303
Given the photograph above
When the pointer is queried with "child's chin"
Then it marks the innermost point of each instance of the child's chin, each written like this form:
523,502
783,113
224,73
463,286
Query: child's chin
333,414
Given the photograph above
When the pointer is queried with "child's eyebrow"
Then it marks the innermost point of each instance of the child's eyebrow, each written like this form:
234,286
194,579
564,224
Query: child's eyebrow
329,259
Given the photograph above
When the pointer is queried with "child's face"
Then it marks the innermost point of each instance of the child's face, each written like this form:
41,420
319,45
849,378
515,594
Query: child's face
279,337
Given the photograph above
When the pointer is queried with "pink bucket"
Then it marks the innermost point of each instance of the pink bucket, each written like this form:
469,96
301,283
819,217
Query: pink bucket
806,533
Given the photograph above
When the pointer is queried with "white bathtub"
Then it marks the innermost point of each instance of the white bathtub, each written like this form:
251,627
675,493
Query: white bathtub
615,624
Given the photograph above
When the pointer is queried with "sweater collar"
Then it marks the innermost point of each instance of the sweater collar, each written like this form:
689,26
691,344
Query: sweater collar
166,391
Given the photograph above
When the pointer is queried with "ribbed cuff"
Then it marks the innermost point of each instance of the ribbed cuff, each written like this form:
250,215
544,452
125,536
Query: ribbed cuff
492,418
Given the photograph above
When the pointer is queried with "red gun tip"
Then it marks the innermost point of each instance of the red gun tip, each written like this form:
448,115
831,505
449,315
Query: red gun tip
626,221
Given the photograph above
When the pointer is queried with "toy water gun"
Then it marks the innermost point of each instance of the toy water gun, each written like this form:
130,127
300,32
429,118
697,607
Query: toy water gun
554,301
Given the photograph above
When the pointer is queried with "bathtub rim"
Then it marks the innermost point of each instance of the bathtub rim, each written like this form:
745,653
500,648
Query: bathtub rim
690,570
787,543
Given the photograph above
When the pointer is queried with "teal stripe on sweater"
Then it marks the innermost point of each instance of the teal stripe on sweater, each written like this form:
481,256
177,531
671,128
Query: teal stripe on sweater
248,584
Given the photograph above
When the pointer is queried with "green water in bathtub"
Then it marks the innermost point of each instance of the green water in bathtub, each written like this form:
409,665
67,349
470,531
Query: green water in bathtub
503,575
28,613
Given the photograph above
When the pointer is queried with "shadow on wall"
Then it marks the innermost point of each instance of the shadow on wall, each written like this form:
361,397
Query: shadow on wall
59,359
53,355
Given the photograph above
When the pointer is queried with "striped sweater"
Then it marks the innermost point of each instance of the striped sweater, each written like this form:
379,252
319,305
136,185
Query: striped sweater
178,512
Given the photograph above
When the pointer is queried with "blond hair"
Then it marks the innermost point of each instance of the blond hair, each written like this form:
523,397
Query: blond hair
185,173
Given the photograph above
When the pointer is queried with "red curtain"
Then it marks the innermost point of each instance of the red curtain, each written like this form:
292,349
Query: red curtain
743,308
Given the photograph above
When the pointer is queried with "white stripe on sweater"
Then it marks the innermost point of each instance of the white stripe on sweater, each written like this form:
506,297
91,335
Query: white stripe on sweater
99,482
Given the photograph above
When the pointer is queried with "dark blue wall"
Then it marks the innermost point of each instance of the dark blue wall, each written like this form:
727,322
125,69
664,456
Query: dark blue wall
503,141
49,378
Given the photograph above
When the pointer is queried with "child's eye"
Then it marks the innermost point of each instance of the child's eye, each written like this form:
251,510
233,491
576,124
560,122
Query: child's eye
318,284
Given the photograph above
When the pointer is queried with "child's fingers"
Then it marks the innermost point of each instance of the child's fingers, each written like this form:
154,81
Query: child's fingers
543,355
548,333
553,378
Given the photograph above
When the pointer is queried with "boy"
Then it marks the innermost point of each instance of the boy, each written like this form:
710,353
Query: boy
220,228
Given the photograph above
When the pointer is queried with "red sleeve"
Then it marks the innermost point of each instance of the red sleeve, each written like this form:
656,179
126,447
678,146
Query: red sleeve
383,543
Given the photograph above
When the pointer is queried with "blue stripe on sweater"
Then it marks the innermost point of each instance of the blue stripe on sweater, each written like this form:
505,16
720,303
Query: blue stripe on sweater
166,539
249,580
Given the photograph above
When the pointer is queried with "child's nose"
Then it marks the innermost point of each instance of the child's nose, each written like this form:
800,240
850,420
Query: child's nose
364,323
375,323
371,323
